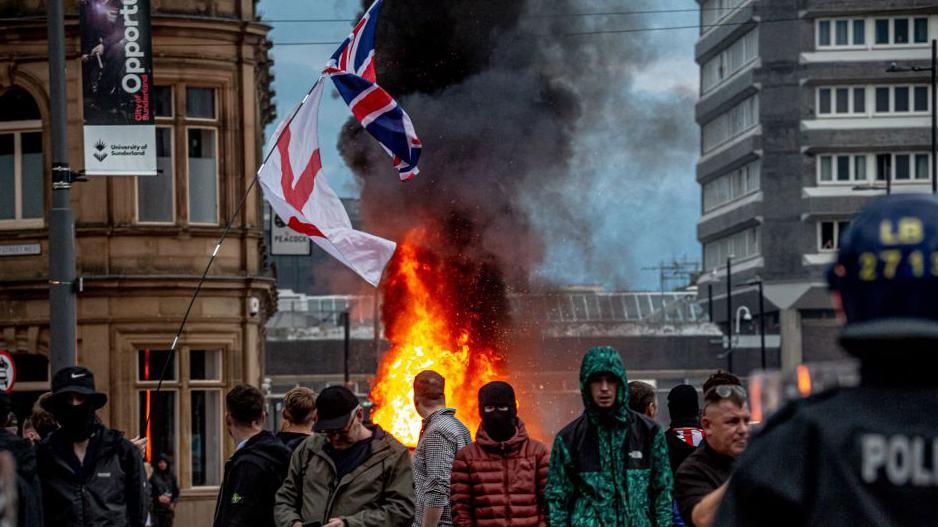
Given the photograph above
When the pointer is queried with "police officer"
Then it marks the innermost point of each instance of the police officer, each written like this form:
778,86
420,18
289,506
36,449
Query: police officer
866,455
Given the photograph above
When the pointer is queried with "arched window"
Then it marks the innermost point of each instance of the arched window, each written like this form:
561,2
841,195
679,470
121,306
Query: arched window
21,167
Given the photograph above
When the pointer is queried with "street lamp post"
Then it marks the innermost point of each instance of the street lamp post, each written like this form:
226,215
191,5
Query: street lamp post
895,68
62,311
762,324
758,283
742,313
346,346
710,301
729,313
761,319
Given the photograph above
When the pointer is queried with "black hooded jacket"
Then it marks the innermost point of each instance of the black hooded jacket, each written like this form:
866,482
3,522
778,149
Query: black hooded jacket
252,477
107,490
29,494
163,482
292,439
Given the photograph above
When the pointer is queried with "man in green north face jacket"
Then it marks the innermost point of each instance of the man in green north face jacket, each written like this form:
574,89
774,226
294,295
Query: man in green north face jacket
609,467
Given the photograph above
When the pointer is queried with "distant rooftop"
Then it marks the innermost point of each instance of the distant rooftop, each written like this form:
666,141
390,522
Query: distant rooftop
302,316
629,306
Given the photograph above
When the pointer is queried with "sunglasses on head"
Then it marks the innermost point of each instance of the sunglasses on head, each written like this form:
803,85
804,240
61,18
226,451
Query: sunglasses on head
347,427
723,391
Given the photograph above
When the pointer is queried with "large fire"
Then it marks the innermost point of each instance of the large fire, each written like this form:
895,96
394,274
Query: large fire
427,329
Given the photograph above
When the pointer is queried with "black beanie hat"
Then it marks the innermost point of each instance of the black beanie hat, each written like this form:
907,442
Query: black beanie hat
682,401
498,393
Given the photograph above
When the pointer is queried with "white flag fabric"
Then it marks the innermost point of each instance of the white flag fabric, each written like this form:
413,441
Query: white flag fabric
297,190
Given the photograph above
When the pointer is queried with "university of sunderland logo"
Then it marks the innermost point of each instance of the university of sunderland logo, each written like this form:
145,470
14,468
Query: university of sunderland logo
100,154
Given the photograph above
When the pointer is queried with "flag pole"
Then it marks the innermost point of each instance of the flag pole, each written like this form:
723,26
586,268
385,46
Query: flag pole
221,240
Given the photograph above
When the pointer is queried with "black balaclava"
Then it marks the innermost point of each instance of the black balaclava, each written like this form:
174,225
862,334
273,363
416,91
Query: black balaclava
77,422
500,425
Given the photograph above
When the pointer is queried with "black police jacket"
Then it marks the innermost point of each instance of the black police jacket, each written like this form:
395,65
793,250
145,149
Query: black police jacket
853,456
107,490
29,493
252,477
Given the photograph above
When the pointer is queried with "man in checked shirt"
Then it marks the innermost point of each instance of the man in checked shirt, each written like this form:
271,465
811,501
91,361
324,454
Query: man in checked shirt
440,437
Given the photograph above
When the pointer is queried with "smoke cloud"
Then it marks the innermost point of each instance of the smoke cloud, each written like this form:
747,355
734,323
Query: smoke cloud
543,153
541,142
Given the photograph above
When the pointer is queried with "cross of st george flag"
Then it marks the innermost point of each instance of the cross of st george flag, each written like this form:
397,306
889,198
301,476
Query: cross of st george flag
352,69
295,187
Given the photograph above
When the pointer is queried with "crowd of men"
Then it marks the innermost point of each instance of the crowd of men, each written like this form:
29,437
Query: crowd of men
329,467
611,466
849,456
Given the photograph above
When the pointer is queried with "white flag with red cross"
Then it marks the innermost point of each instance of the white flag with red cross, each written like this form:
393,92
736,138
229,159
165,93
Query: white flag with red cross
297,190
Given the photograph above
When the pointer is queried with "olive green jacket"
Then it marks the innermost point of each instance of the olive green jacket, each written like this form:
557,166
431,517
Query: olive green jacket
609,469
378,493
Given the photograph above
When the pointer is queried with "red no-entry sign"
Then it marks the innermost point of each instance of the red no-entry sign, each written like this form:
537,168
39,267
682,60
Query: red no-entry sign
7,371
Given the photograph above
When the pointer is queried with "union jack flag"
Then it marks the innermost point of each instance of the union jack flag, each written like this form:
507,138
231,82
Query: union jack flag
352,69
356,55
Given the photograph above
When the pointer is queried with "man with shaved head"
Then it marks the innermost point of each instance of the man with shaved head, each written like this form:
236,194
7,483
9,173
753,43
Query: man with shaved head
700,482
441,436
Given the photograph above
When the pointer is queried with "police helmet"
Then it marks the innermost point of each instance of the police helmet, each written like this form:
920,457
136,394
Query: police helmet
887,271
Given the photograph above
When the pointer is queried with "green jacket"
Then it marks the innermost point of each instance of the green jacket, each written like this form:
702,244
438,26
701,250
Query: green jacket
378,493
609,468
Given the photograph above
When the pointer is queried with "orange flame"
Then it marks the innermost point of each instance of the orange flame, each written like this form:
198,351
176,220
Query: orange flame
422,337
804,380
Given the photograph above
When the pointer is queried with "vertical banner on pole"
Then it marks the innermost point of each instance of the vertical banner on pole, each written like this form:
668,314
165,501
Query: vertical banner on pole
117,70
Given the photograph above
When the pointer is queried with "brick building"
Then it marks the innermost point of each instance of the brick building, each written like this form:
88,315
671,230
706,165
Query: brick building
142,242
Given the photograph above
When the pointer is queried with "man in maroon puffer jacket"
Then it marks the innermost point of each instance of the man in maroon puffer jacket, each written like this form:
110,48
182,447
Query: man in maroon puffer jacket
499,479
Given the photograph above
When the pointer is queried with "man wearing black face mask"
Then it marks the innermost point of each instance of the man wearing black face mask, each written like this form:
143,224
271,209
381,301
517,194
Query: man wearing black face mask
502,452
91,475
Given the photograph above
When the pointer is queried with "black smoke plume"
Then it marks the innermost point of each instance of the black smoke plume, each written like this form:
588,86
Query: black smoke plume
503,97
518,117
